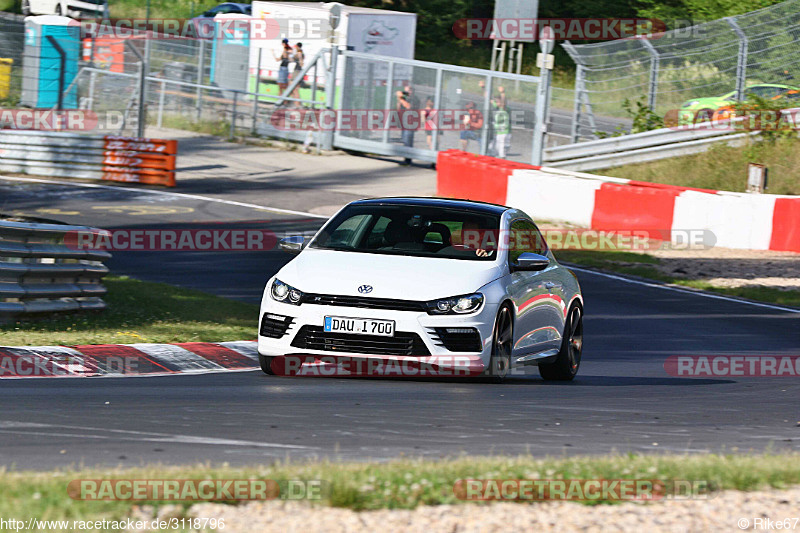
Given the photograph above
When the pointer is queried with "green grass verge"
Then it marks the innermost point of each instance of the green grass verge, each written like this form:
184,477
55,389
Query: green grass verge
723,167
644,265
160,8
400,484
140,311
219,128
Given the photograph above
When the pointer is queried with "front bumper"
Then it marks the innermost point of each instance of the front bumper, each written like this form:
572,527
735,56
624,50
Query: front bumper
85,10
428,346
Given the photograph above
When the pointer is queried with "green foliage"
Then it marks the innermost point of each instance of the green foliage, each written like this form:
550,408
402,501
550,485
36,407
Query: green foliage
698,10
644,119
764,115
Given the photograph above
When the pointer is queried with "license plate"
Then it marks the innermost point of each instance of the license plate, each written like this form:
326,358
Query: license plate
359,326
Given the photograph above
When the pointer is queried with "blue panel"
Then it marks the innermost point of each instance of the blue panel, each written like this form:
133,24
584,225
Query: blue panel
49,65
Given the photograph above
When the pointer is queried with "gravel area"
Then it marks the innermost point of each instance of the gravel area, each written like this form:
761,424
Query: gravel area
721,512
724,267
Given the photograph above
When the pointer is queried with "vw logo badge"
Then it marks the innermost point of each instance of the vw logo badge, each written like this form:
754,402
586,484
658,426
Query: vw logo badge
365,289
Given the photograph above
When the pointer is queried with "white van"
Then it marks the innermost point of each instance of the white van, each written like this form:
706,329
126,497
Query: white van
67,8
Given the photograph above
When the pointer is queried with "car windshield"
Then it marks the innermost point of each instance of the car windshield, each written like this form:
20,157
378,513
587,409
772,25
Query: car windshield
411,230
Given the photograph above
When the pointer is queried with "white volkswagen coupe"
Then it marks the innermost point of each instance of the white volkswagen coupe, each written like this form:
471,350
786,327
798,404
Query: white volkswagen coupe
423,278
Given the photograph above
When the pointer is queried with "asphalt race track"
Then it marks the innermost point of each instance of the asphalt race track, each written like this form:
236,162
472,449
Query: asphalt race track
623,399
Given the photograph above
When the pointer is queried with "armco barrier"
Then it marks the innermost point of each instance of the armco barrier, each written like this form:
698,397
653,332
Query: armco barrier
40,274
736,220
102,157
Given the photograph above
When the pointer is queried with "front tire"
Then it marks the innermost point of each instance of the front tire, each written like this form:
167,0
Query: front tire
502,344
566,365
265,362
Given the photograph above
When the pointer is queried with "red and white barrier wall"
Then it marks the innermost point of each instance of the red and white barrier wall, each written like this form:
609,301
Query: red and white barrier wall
737,220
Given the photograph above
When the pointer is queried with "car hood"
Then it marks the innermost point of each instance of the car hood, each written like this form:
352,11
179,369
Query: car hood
391,276
709,101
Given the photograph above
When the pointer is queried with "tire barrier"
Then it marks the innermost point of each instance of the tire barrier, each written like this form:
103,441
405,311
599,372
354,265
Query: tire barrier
40,274
736,220
100,157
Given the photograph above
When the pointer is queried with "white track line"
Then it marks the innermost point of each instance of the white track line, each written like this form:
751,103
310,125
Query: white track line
169,193
685,291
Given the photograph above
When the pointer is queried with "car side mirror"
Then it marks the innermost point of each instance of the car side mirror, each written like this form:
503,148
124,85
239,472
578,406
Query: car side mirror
292,245
530,262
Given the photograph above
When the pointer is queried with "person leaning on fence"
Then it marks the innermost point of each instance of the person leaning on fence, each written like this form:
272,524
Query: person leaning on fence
407,111
502,129
471,121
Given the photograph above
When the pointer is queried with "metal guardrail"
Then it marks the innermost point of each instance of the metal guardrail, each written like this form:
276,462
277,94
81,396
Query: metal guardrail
40,273
103,157
647,146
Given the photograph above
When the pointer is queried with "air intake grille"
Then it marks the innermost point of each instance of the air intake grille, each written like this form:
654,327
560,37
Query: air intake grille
314,338
457,339
275,326
365,303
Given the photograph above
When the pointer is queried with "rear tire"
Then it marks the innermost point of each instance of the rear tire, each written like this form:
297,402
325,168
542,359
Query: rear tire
566,365
265,361
502,344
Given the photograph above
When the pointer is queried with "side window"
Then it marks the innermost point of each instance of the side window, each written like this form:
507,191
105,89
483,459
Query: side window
766,92
525,237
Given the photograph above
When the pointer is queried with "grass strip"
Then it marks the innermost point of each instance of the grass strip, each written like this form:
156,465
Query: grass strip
141,311
400,484
722,167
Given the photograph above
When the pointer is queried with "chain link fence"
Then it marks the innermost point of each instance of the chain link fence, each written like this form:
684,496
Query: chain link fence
213,87
705,60
12,43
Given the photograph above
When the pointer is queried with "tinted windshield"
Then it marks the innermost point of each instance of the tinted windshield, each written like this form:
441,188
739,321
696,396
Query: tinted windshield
410,230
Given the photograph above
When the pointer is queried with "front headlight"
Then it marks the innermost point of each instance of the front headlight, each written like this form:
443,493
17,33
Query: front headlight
285,293
457,305
690,103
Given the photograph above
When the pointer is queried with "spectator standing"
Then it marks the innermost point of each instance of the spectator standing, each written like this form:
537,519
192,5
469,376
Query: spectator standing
299,58
502,128
471,121
408,114
429,116
283,69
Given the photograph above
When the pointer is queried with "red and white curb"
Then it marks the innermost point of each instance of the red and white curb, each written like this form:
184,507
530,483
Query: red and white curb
127,360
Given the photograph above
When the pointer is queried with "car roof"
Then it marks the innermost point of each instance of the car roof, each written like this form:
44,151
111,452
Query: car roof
453,203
